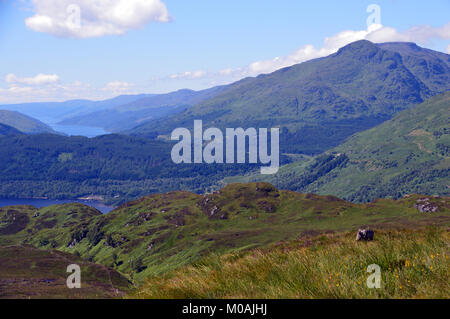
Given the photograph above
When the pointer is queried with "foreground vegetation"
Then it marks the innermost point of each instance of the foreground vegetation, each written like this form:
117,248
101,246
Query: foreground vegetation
28,272
414,264
162,232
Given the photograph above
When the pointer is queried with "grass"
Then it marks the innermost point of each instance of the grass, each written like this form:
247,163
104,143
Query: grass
414,264
163,232
28,272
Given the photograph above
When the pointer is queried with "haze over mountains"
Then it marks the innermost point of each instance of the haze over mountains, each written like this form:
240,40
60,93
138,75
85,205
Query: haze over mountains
126,116
52,112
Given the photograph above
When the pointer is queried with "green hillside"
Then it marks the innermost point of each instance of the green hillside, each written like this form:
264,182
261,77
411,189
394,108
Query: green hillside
413,263
116,167
162,232
321,102
24,123
407,154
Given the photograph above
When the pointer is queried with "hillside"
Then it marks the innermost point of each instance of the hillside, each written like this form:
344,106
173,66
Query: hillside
24,123
6,130
414,264
115,167
162,232
407,154
27,272
321,102
128,115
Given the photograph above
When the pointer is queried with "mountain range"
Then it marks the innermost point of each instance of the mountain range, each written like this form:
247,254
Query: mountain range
365,144
126,116
53,112
319,103
319,106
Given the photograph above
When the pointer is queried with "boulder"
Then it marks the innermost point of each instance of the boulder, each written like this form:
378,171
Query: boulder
424,205
364,234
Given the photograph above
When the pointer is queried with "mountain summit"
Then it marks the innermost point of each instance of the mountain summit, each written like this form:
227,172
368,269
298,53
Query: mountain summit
321,102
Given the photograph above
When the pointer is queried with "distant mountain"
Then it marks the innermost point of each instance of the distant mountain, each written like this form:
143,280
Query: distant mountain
128,115
6,130
408,154
52,112
319,103
23,123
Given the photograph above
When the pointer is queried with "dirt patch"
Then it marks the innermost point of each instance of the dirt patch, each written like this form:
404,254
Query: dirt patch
13,222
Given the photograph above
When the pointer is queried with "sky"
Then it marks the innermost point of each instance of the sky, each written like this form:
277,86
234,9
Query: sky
56,50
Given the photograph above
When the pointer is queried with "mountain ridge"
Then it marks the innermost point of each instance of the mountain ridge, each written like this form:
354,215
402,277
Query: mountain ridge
353,89
24,123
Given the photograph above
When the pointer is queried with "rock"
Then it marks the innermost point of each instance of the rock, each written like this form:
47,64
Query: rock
423,205
364,234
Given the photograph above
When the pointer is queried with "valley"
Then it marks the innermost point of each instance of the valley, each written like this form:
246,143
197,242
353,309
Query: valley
363,143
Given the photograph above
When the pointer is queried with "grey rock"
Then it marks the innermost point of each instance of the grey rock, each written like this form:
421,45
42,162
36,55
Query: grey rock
365,234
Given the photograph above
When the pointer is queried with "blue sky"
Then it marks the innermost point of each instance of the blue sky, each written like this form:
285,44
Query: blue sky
163,45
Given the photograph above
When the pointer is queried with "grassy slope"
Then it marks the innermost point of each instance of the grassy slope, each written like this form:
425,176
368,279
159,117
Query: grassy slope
28,272
407,154
414,264
162,232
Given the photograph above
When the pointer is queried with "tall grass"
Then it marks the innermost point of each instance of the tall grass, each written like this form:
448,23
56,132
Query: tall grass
414,264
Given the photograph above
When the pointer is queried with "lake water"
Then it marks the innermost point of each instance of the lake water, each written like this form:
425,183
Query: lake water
78,130
39,203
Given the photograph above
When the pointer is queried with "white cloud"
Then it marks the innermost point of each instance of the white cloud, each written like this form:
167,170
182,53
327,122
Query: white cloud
189,75
94,18
117,87
39,79
21,92
418,34
374,33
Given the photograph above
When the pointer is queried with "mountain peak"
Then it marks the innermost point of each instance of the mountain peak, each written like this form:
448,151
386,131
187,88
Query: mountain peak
358,46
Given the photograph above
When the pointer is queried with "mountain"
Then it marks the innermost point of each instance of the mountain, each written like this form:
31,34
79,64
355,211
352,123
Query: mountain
128,115
159,233
23,123
52,112
319,103
6,130
407,154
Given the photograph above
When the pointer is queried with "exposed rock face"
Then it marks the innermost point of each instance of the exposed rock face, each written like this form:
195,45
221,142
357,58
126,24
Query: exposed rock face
424,205
364,234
